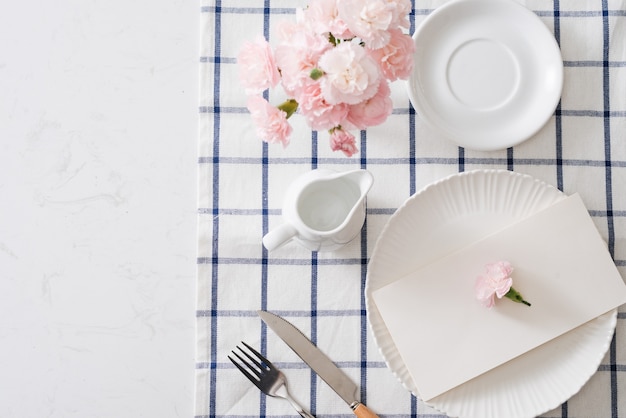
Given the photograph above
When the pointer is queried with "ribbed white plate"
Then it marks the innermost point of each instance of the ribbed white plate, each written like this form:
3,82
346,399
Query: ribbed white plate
447,216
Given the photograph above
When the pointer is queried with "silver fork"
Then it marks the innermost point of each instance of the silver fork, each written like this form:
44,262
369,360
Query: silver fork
265,376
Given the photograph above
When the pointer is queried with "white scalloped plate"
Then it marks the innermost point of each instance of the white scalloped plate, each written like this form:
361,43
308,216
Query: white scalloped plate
449,215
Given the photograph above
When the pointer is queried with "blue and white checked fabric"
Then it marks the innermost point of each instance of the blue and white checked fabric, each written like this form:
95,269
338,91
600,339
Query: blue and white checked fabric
242,180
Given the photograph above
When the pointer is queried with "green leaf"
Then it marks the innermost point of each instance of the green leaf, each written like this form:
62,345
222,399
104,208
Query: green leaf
289,107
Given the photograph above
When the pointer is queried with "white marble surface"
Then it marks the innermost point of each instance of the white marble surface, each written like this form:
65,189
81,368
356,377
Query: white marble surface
98,123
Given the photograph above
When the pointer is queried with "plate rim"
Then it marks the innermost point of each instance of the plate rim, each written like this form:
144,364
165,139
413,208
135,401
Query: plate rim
412,84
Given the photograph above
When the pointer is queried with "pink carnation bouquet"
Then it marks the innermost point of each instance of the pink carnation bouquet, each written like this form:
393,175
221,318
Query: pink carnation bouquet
334,63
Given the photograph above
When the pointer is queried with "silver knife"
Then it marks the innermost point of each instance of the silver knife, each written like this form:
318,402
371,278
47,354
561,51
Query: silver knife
318,361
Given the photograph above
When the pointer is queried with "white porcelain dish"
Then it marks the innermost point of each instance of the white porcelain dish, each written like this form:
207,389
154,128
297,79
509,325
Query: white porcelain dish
449,215
488,73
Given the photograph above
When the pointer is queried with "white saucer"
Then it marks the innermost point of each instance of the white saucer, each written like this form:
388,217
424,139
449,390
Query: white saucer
488,73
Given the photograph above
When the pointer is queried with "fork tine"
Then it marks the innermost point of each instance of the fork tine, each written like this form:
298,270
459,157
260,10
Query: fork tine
267,363
253,379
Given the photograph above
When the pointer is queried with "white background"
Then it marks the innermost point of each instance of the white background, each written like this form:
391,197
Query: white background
98,125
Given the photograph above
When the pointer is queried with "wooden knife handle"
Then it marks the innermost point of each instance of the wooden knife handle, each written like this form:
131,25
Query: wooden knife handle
363,411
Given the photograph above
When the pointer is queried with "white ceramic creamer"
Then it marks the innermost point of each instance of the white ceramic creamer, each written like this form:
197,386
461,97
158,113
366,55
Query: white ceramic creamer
323,210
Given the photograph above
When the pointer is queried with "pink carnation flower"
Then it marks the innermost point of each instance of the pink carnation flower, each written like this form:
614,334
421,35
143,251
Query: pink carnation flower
257,66
396,58
368,19
350,74
400,13
496,281
344,141
271,122
373,111
320,114
298,55
323,16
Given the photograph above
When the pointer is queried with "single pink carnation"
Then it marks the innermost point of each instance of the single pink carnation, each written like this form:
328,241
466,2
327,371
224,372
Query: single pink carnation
400,12
257,66
344,141
373,111
396,58
320,114
496,281
297,56
271,122
368,19
323,16
350,74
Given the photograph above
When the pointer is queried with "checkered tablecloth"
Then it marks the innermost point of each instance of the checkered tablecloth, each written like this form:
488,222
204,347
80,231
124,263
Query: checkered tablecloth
242,181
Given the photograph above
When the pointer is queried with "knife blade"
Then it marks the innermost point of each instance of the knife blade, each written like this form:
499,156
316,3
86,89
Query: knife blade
318,361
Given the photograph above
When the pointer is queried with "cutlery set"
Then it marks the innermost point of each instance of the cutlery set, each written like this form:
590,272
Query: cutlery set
271,381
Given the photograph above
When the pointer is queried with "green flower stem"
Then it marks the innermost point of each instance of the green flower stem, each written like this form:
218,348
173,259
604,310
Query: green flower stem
515,296
289,107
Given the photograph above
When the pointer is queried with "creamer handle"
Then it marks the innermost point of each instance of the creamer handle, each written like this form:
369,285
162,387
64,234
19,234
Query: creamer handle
279,236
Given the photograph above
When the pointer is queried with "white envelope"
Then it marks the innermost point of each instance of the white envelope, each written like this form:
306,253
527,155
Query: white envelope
446,337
